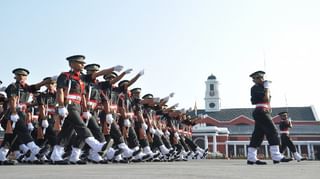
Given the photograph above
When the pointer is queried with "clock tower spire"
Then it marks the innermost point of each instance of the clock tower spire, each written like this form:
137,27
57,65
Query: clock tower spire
212,98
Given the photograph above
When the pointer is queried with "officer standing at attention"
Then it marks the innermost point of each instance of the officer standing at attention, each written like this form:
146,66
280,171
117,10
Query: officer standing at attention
264,126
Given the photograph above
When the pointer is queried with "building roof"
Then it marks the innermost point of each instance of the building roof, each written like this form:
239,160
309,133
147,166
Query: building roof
296,113
296,130
212,77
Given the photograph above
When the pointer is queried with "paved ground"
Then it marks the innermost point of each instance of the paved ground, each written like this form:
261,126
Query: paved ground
220,169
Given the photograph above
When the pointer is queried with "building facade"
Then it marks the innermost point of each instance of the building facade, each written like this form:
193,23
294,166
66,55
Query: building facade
228,131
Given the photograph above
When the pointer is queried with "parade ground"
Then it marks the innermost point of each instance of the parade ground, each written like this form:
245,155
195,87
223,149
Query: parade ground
220,169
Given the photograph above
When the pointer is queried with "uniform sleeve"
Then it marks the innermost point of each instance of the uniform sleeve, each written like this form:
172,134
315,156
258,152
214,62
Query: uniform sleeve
12,91
41,99
62,81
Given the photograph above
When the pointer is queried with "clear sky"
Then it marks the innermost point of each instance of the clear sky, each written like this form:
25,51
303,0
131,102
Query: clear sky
178,43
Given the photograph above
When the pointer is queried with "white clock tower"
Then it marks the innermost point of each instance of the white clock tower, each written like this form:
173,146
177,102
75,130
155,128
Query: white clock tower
212,98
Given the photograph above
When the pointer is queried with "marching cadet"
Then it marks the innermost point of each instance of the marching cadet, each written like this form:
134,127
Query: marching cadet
260,97
284,126
126,114
196,150
72,104
153,133
109,118
18,94
93,96
48,121
140,125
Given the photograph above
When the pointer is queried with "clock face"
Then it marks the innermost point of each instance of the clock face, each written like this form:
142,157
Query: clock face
212,105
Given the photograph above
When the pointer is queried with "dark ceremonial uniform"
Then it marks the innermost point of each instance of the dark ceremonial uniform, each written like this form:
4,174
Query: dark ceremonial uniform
263,120
47,100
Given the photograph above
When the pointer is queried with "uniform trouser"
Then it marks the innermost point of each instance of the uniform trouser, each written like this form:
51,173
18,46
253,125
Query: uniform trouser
115,134
95,129
73,122
166,142
133,138
21,130
142,140
184,145
157,141
286,142
191,144
264,126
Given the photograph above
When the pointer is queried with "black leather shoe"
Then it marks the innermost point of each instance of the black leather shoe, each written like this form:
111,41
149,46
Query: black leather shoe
79,162
282,160
258,162
302,159
60,162
8,162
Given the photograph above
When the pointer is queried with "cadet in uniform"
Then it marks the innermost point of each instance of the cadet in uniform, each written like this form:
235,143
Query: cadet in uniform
72,104
284,126
264,126
18,94
48,116
93,96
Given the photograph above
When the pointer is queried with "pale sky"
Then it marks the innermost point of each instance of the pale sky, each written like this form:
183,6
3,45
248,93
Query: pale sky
178,43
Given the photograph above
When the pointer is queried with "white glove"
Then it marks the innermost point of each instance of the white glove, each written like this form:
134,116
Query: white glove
177,135
144,126
86,115
30,126
167,133
54,78
267,84
127,123
151,130
14,117
141,72
45,123
175,105
109,118
128,71
166,99
171,95
63,112
159,132
156,100
117,68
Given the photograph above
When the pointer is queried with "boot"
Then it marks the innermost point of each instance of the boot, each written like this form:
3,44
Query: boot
298,157
3,158
56,155
127,152
95,145
94,157
75,157
252,157
276,156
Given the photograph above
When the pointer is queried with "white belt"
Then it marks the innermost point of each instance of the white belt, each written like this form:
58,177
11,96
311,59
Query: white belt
284,132
262,105
51,110
74,97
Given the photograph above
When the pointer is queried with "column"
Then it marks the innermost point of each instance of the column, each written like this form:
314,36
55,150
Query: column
206,141
245,150
235,150
214,143
266,151
227,150
299,149
309,151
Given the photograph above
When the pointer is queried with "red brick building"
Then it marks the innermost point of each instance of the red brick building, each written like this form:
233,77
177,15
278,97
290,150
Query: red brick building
228,131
